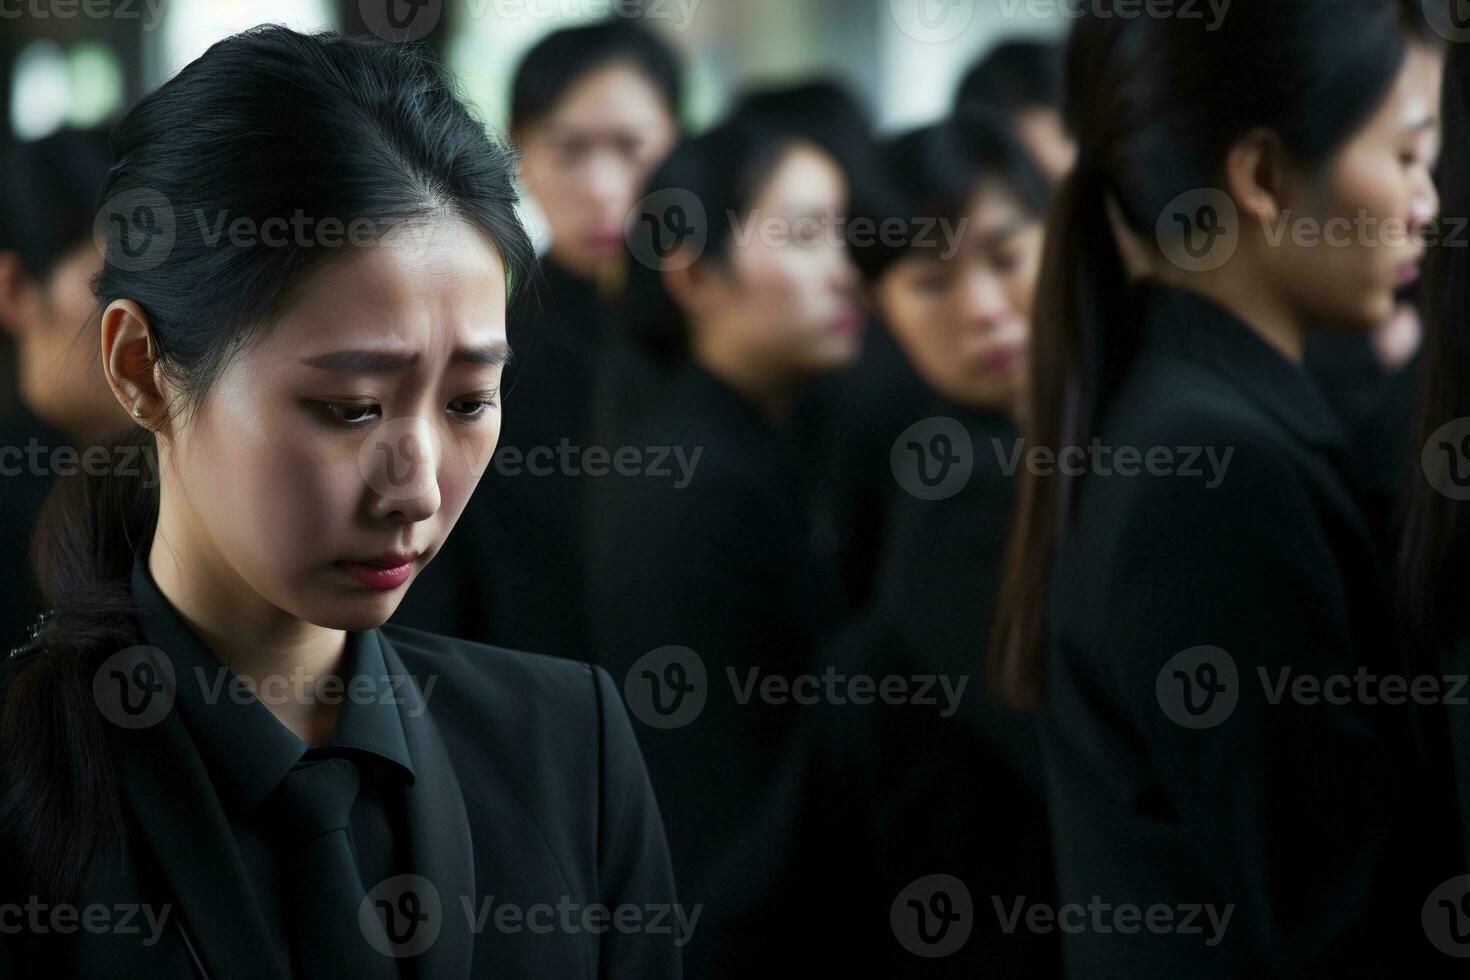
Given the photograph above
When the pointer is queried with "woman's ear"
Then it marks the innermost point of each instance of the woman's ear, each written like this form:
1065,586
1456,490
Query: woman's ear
130,362
1256,176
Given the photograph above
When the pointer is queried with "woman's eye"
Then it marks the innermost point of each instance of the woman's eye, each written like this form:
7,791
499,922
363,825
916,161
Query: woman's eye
469,409
351,415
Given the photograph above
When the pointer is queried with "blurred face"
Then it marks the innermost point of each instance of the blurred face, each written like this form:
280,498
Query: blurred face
963,321
586,161
1371,204
783,301
62,377
330,460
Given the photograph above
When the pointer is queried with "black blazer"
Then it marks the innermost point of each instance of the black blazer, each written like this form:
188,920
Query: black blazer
952,784
529,790
1300,817
721,566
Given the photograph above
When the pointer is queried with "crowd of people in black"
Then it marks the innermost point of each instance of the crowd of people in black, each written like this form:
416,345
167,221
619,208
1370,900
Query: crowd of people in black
1029,545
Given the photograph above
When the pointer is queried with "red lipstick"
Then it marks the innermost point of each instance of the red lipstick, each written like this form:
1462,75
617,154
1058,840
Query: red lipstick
388,570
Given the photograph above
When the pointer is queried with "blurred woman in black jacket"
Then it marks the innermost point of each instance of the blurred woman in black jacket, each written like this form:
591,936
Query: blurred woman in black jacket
1190,544
743,287
595,108
951,787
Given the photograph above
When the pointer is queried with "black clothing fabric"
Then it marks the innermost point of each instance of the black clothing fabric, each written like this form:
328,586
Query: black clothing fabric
721,566
516,800
248,753
847,422
1182,773
948,782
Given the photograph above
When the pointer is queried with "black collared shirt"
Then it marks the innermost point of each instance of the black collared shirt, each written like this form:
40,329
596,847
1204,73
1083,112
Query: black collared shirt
248,751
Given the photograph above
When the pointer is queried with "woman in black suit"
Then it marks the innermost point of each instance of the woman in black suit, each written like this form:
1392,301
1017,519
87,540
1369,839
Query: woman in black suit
712,556
212,734
596,108
953,786
1193,544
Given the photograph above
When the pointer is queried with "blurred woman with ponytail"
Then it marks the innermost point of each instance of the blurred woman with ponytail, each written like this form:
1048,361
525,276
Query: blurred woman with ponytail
1189,545
302,307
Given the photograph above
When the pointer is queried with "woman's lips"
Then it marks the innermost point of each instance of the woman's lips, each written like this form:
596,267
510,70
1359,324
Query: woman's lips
1002,360
377,576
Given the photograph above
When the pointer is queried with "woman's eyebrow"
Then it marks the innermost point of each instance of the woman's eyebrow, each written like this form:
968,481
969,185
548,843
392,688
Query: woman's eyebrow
382,361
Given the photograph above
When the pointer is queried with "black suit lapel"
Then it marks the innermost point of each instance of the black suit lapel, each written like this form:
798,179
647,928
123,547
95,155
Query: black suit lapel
440,847
168,793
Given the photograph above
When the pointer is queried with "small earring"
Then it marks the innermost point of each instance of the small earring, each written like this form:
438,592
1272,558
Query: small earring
137,412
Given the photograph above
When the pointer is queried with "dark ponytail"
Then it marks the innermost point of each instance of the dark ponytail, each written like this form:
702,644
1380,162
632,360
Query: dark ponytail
267,126
1156,103
1434,570
83,549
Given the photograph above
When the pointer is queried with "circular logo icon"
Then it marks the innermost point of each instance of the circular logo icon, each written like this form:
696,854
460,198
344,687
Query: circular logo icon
1450,19
401,20
667,687
1198,687
1446,459
933,916
1446,917
394,459
135,230
667,230
932,21
401,916
1199,230
136,687
933,458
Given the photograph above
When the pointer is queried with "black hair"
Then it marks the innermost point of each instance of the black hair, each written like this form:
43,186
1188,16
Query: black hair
48,198
1156,103
931,174
563,58
822,110
1434,573
265,125
705,181
1015,75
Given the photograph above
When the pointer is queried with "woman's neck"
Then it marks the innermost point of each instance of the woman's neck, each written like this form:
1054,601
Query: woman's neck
774,397
267,648
1261,311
